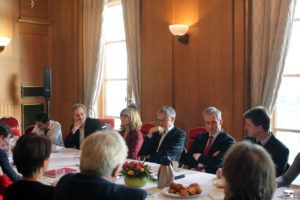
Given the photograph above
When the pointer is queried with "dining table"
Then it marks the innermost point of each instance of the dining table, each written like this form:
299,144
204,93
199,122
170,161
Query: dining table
212,188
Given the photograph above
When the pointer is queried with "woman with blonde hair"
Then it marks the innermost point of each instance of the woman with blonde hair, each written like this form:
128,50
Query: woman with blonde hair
130,131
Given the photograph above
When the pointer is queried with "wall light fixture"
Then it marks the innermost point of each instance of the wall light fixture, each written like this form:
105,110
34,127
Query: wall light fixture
180,32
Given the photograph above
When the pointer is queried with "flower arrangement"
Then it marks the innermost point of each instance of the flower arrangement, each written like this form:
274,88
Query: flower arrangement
135,169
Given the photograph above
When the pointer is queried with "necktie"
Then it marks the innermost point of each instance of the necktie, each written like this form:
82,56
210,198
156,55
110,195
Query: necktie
161,139
206,150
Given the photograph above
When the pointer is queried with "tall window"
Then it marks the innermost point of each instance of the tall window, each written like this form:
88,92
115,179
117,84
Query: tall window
113,95
287,112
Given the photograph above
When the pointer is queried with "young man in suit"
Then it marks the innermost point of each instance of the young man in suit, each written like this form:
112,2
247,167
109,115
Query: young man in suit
257,126
208,150
101,160
83,126
164,139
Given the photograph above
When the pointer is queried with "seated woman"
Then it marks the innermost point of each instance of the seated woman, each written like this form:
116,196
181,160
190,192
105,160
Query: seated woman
31,157
5,136
249,173
130,130
289,176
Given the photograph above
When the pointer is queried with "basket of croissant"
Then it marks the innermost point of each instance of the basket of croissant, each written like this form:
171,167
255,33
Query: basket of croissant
192,189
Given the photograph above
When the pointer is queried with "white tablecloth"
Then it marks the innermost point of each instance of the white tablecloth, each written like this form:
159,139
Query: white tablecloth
70,158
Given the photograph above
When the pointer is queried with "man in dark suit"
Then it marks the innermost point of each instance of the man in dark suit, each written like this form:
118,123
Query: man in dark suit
164,139
101,160
83,126
208,150
257,126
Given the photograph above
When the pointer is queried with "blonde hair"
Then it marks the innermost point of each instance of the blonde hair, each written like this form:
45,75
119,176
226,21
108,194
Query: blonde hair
102,152
249,172
135,119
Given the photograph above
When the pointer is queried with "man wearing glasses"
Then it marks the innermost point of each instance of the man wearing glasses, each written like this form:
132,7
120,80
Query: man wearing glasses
164,139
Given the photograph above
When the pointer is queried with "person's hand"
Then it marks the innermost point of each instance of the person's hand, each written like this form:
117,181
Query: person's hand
219,173
216,153
1,172
76,126
196,156
155,129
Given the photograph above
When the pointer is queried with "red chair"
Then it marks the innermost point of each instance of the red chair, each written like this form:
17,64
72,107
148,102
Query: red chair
29,129
193,132
13,124
108,120
145,128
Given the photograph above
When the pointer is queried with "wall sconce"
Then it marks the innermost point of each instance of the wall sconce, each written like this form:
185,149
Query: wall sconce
180,30
3,43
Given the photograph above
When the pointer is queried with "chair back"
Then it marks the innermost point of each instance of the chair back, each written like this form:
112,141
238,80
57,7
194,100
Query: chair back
145,128
10,121
13,124
29,129
108,120
193,132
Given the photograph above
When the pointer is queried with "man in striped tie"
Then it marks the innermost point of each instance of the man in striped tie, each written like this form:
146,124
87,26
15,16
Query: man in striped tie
208,150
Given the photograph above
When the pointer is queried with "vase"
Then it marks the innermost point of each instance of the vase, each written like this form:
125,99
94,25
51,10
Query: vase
135,181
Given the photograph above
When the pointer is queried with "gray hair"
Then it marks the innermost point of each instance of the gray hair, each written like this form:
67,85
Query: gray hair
102,152
78,105
168,110
212,110
249,172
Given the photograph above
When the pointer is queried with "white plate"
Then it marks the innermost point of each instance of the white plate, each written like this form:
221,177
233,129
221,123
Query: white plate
165,192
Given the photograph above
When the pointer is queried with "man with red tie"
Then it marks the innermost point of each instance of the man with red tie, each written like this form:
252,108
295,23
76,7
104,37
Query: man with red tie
208,150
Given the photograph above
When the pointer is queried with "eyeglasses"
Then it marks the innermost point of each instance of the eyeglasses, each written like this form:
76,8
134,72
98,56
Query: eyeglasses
124,115
162,120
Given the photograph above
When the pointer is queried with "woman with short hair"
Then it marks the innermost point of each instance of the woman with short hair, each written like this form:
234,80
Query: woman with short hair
31,157
130,131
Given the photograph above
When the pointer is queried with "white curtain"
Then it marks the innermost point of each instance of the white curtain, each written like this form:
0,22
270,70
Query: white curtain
271,24
132,23
92,52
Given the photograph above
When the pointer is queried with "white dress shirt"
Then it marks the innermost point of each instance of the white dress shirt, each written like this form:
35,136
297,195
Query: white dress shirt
54,133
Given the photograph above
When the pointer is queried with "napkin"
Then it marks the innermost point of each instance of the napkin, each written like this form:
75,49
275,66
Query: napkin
217,194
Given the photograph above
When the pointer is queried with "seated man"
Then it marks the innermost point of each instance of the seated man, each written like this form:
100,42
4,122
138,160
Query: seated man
165,139
51,129
101,159
248,172
208,150
257,126
83,126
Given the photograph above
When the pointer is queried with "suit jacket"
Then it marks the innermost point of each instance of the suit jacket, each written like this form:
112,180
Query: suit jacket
211,163
80,186
90,126
278,151
172,145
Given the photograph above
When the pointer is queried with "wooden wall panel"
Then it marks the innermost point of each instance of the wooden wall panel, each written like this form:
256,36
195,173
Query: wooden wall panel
52,37
157,68
9,81
67,60
209,71
203,68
